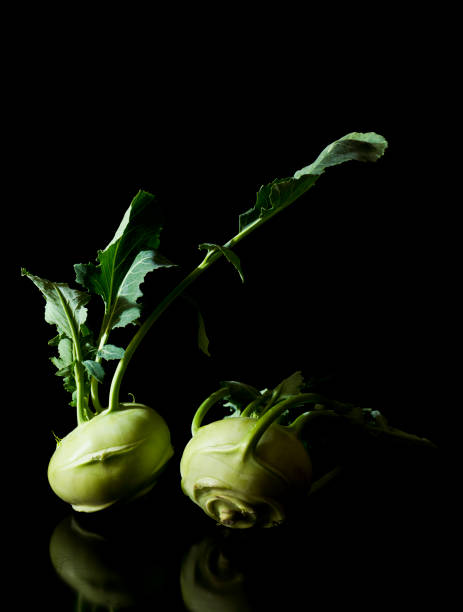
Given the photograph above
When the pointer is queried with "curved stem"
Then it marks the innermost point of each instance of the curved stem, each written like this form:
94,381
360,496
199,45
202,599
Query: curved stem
162,306
298,424
143,330
205,407
247,412
272,400
263,423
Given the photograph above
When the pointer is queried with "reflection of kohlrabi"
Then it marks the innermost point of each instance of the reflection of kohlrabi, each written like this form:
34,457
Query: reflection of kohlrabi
249,469
116,568
91,470
210,581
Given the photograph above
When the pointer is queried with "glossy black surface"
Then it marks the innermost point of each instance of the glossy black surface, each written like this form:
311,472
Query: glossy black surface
343,286
370,535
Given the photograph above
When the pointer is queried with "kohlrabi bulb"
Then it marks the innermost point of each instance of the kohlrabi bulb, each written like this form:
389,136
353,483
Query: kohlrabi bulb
116,456
242,476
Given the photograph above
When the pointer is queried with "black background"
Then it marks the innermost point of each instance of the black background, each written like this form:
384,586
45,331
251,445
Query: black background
345,285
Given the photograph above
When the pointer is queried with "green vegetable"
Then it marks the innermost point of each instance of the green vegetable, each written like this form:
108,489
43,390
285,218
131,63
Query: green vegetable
246,470
116,278
252,468
117,455
239,485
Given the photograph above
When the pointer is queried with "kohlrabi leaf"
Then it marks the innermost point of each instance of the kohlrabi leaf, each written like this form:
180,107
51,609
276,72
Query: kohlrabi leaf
124,263
109,351
65,307
281,192
94,369
230,255
291,385
55,340
124,307
203,340
66,356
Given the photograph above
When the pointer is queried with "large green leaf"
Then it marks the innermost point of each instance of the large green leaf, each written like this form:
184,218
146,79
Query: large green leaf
64,307
281,192
125,308
124,263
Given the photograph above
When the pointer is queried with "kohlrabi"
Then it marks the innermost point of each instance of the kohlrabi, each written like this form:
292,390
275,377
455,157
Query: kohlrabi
117,450
252,468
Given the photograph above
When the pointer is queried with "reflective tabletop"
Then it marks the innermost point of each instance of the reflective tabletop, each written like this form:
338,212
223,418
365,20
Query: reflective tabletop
366,538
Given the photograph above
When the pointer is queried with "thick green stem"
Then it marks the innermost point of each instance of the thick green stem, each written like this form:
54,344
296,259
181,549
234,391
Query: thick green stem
252,406
210,258
94,388
82,410
205,407
246,231
263,423
145,327
298,424
94,392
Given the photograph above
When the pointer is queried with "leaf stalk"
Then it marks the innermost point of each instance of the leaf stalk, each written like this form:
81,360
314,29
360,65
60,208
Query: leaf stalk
146,326
209,259
366,147
82,409
270,416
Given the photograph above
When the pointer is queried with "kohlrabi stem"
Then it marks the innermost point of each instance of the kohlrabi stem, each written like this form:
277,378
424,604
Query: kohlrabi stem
252,406
205,407
298,424
145,327
167,301
82,414
263,423
94,392
94,389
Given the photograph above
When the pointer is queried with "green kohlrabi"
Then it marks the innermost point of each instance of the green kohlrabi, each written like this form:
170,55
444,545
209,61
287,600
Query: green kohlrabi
116,455
117,450
252,468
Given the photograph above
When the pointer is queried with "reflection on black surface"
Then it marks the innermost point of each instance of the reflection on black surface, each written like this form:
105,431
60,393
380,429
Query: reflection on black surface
209,580
111,571
364,540
367,538
265,569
